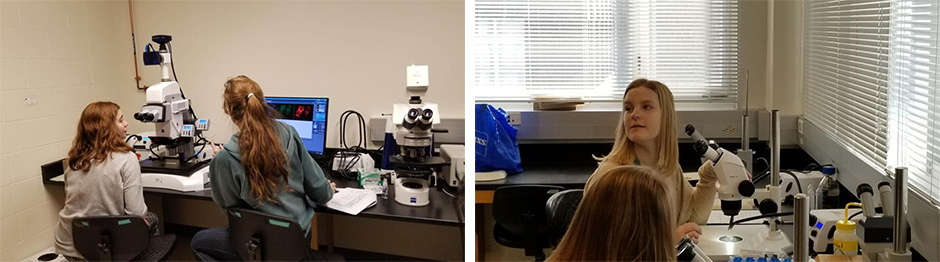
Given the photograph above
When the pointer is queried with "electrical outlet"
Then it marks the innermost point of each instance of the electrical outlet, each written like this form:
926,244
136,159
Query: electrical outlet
799,125
730,130
515,118
31,100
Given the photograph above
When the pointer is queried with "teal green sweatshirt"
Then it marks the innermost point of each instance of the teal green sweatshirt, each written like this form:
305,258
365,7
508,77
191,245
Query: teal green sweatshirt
230,186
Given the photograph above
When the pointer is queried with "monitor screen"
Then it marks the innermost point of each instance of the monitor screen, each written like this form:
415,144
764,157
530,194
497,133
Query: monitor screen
307,115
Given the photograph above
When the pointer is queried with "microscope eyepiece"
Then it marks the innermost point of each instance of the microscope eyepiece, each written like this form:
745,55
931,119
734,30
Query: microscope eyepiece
413,113
427,114
700,147
144,117
689,129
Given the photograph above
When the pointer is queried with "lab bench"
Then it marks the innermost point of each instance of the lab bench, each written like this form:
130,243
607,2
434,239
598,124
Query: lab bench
542,164
443,211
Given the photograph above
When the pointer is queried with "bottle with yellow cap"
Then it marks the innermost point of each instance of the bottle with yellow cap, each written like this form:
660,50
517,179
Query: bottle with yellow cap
844,241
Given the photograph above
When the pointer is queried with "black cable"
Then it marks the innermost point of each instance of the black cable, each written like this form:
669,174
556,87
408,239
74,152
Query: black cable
362,132
128,139
173,67
807,168
731,225
760,175
203,147
798,185
154,155
343,170
853,215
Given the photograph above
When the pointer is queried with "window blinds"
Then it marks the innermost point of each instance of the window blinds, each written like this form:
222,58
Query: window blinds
914,130
846,73
595,48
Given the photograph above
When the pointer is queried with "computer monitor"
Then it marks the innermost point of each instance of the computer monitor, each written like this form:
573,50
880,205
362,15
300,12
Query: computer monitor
307,115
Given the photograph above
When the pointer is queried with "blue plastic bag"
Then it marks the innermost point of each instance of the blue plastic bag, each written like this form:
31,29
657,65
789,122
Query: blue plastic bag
496,147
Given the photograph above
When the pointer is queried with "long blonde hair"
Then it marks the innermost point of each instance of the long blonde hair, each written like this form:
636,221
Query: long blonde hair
96,137
262,157
623,152
625,215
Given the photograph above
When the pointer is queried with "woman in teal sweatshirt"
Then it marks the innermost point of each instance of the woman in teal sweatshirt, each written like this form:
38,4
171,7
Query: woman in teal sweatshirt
265,166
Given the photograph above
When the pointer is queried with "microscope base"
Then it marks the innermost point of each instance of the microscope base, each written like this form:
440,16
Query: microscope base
754,241
194,182
411,191
889,255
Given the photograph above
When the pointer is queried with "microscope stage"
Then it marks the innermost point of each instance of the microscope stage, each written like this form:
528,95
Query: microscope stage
425,161
173,167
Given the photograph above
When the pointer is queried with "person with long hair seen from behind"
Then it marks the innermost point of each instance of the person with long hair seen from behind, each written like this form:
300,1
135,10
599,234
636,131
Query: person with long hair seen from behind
102,175
646,136
626,214
264,166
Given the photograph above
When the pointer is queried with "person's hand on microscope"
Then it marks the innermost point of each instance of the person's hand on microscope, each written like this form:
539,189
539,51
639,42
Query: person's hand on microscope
215,147
693,230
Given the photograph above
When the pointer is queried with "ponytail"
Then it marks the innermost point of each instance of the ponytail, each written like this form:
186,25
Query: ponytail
264,161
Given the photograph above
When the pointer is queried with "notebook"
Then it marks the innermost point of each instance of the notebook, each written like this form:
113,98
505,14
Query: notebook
352,200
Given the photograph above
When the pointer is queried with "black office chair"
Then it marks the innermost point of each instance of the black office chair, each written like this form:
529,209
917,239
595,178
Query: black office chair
119,238
259,236
519,212
559,210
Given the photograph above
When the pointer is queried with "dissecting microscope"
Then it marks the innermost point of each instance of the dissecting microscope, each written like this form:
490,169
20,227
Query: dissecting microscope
174,162
734,185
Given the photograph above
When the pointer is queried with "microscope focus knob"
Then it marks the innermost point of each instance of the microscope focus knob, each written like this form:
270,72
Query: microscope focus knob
767,206
746,188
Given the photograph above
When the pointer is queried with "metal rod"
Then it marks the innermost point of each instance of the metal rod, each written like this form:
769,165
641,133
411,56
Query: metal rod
745,141
775,147
900,210
774,161
801,228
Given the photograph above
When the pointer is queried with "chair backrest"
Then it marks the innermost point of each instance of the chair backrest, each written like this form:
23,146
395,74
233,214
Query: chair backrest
559,210
516,207
259,236
110,238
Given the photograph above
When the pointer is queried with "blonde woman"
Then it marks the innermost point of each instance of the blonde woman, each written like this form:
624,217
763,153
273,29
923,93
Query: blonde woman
646,136
626,215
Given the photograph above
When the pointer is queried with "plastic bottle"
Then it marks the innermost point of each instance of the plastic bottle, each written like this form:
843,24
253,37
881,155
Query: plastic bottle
844,242
827,193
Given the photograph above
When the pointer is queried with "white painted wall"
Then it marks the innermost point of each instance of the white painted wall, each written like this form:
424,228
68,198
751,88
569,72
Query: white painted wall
787,37
752,52
61,54
353,52
71,53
